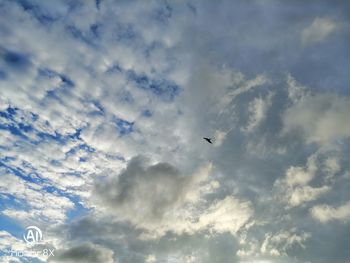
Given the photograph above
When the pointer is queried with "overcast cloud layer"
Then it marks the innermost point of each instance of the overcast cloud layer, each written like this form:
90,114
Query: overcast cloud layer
103,107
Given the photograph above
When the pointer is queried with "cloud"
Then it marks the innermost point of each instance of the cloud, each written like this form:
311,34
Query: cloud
325,213
85,253
298,186
279,243
322,118
87,86
227,215
37,206
257,109
295,90
320,29
306,194
219,137
158,198
145,192
245,86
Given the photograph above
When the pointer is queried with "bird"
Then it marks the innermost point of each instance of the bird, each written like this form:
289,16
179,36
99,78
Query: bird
208,140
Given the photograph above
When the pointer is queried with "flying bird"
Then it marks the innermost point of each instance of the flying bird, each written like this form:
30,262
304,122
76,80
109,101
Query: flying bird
208,140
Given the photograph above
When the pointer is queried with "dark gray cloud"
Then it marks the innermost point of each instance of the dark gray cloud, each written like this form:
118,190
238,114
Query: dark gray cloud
142,189
87,253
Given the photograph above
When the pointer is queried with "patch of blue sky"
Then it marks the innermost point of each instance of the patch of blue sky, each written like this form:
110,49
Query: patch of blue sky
78,211
66,81
80,147
98,4
125,96
45,16
75,135
16,61
99,108
7,159
88,37
123,127
146,113
87,148
164,13
3,75
83,159
115,157
8,113
11,226
8,224
126,33
95,30
114,69
32,177
56,191
63,139
13,130
19,127
9,201
192,8
165,89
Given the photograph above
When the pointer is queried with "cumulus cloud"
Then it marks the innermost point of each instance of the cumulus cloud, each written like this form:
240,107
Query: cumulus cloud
158,198
146,192
296,187
320,29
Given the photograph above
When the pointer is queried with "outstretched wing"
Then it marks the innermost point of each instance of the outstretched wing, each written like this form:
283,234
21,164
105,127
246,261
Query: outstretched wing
208,140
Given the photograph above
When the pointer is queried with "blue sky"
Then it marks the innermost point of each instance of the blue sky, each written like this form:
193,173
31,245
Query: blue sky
103,107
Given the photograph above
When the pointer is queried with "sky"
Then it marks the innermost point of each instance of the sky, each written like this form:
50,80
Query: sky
103,108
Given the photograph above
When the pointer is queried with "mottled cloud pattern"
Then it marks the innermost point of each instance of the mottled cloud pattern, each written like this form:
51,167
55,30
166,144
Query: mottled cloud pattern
103,109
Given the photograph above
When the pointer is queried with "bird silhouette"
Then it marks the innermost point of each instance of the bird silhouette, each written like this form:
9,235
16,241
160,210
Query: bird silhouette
208,140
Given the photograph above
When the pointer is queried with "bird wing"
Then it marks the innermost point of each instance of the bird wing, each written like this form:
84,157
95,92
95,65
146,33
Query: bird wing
208,140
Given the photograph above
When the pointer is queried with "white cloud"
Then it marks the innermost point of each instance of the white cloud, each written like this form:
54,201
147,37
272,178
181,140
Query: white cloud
242,86
40,206
306,193
320,29
257,109
226,215
150,259
278,244
296,91
296,175
322,118
325,213
11,247
295,188
219,137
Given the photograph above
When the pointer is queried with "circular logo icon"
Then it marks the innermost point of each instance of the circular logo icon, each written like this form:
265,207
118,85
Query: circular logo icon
32,235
